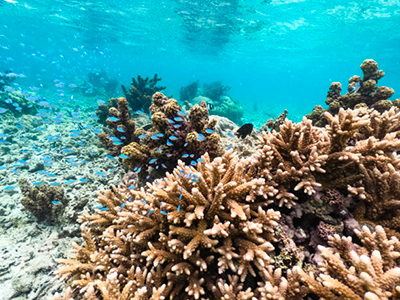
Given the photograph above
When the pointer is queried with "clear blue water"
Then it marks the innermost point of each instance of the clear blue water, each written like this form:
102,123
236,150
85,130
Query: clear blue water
273,54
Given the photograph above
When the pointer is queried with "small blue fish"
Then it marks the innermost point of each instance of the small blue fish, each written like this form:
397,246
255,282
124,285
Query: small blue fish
139,112
169,143
163,212
131,186
177,125
56,202
150,211
181,113
101,173
230,134
193,163
142,136
54,183
171,121
113,119
178,119
185,144
200,160
83,180
185,155
37,183
69,181
67,151
169,155
179,208
122,205
173,138
110,156
160,134
201,137
120,129
154,137
117,143
114,138
159,150
229,147
163,165
123,156
209,131
152,161
10,187
97,131
22,161
138,170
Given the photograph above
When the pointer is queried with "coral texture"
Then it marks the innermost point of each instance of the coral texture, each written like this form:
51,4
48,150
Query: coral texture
361,93
45,202
204,233
141,91
351,271
173,135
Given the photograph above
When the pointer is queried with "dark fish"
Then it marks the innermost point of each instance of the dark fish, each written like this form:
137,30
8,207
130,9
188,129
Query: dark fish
244,131
147,127
210,106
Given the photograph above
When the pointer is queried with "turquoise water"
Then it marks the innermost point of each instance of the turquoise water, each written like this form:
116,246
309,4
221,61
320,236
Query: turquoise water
273,54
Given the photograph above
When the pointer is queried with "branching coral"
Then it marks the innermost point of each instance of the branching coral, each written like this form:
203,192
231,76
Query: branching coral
201,233
350,271
298,157
141,91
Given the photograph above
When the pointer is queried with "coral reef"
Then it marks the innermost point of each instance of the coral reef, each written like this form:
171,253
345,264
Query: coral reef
352,271
173,135
215,90
45,202
189,92
6,79
102,111
140,94
361,92
275,124
194,234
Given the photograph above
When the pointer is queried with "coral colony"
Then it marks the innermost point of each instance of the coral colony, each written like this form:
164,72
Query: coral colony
312,213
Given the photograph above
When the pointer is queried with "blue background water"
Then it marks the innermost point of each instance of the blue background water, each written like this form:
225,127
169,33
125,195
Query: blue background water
273,54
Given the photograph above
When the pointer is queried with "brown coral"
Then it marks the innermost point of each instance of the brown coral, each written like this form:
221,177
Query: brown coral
350,271
194,234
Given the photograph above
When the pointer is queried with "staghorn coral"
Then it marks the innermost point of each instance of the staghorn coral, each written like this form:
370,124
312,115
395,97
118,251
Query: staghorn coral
45,202
141,91
204,233
296,159
361,93
350,271
187,93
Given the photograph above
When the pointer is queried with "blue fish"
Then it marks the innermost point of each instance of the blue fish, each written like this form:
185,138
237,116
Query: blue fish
154,137
185,155
123,156
83,180
56,202
37,183
173,138
54,183
179,208
230,134
169,143
229,147
142,136
181,113
139,112
177,125
178,119
171,121
10,187
110,156
152,161
201,137
132,186
113,119
118,143
97,131
22,161
120,129
160,134
209,131
69,181
163,212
